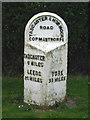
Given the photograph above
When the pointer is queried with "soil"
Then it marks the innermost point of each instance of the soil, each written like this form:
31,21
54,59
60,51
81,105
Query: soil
70,103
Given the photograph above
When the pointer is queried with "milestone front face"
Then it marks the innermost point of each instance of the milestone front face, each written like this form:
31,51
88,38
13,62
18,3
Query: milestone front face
45,59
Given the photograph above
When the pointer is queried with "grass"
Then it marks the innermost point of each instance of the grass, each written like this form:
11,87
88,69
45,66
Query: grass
76,105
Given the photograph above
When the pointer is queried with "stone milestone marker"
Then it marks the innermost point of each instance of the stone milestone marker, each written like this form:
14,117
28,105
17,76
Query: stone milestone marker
45,59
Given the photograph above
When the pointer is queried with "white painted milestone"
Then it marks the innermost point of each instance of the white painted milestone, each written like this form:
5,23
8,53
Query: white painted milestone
45,59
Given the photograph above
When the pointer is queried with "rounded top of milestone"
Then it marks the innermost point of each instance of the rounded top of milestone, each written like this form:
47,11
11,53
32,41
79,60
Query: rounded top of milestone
46,31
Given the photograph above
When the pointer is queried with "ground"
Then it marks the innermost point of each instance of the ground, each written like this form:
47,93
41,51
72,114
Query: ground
76,105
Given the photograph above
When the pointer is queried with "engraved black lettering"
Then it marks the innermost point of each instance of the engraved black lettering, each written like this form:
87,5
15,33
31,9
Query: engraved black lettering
36,22
42,58
62,72
40,80
40,27
64,77
50,18
57,23
30,78
33,38
49,80
37,79
34,73
30,72
52,74
55,79
58,72
51,27
30,37
55,73
28,62
27,71
47,27
52,79
44,27
53,20
40,39
39,73
26,78
61,78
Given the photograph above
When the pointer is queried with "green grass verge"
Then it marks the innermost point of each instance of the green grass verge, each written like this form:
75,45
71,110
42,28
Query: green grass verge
75,107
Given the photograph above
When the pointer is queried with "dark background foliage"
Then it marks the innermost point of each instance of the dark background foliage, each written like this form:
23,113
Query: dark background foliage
14,19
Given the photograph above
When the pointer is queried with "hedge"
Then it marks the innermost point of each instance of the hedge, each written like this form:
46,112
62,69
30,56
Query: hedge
15,16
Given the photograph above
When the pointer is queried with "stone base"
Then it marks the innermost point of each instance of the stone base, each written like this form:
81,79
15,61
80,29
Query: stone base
45,106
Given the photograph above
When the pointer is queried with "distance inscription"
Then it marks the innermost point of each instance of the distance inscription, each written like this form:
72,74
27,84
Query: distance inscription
57,76
34,63
35,57
34,79
33,75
